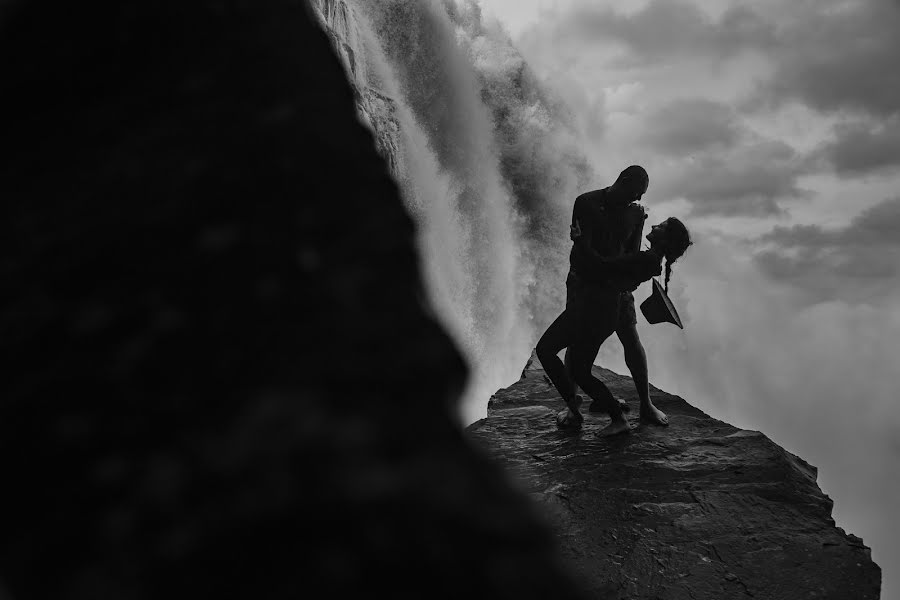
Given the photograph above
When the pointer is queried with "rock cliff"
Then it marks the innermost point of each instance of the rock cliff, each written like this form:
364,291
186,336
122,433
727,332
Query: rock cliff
220,378
698,510
375,108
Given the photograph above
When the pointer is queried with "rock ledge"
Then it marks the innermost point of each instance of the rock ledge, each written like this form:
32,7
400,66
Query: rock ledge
700,509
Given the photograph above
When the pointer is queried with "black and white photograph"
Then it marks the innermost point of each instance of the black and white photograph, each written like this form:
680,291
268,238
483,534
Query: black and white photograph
509,299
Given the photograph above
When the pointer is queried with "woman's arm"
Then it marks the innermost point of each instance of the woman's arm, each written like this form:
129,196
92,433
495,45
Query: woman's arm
637,266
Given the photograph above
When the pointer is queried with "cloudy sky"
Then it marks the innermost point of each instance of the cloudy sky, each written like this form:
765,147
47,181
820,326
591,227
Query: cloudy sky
772,129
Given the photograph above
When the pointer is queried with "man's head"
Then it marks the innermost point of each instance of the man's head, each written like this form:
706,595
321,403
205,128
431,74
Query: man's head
631,184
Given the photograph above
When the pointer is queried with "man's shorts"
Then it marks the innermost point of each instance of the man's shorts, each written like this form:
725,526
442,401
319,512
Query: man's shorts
599,307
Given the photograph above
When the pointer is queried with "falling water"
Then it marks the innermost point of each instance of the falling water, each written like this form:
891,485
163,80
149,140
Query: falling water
488,162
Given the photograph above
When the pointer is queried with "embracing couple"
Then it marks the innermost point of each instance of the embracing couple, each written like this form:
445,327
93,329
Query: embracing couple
606,264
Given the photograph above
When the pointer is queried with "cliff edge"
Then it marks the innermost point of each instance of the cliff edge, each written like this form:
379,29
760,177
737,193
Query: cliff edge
700,509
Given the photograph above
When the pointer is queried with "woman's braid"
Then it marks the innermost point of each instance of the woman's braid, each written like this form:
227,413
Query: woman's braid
679,240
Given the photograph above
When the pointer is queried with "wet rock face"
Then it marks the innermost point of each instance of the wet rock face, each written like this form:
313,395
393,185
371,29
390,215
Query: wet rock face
376,109
219,376
698,510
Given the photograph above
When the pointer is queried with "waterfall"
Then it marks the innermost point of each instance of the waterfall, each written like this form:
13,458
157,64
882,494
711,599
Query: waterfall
488,162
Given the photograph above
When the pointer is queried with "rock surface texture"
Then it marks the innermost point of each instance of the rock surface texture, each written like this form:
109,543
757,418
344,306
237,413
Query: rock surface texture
698,510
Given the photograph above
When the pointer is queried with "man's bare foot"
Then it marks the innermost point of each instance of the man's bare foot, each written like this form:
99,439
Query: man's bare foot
571,416
615,428
566,419
654,416
575,404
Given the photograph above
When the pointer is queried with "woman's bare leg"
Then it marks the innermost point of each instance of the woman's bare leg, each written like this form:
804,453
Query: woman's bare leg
636,359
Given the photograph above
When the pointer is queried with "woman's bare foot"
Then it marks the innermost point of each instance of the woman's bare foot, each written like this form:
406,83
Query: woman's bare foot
654,416
615,428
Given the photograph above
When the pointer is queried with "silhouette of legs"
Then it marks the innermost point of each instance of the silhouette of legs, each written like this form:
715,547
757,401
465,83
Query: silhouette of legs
590,317
557,337
596,316
636,359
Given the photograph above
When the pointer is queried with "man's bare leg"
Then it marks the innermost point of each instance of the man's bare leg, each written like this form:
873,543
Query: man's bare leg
595,322
636,360
594,407
596,389
554,339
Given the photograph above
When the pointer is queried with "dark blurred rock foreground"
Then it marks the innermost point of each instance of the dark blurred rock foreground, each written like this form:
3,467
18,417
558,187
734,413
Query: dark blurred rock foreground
699,510
219,376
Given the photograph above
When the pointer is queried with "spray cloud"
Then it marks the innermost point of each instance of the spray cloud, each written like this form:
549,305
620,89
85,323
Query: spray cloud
489,164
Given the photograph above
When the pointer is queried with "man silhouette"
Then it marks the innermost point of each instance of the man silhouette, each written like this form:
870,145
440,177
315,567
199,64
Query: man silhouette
613,222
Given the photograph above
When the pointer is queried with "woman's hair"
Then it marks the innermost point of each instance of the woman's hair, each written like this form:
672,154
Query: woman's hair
678,240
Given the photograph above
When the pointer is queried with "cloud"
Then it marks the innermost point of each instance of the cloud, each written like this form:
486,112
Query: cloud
769,320
863,148
691,125
747,181
839,56
859,262
819,379
877,225
831,55
664,30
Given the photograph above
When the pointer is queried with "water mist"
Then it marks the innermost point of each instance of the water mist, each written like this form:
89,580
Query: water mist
488,163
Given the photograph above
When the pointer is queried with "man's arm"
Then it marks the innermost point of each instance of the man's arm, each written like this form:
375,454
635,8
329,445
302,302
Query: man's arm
583,236
640,266
634,266
588,221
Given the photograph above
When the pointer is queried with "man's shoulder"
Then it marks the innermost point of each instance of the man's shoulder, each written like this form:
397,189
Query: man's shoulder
594,196
590,203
